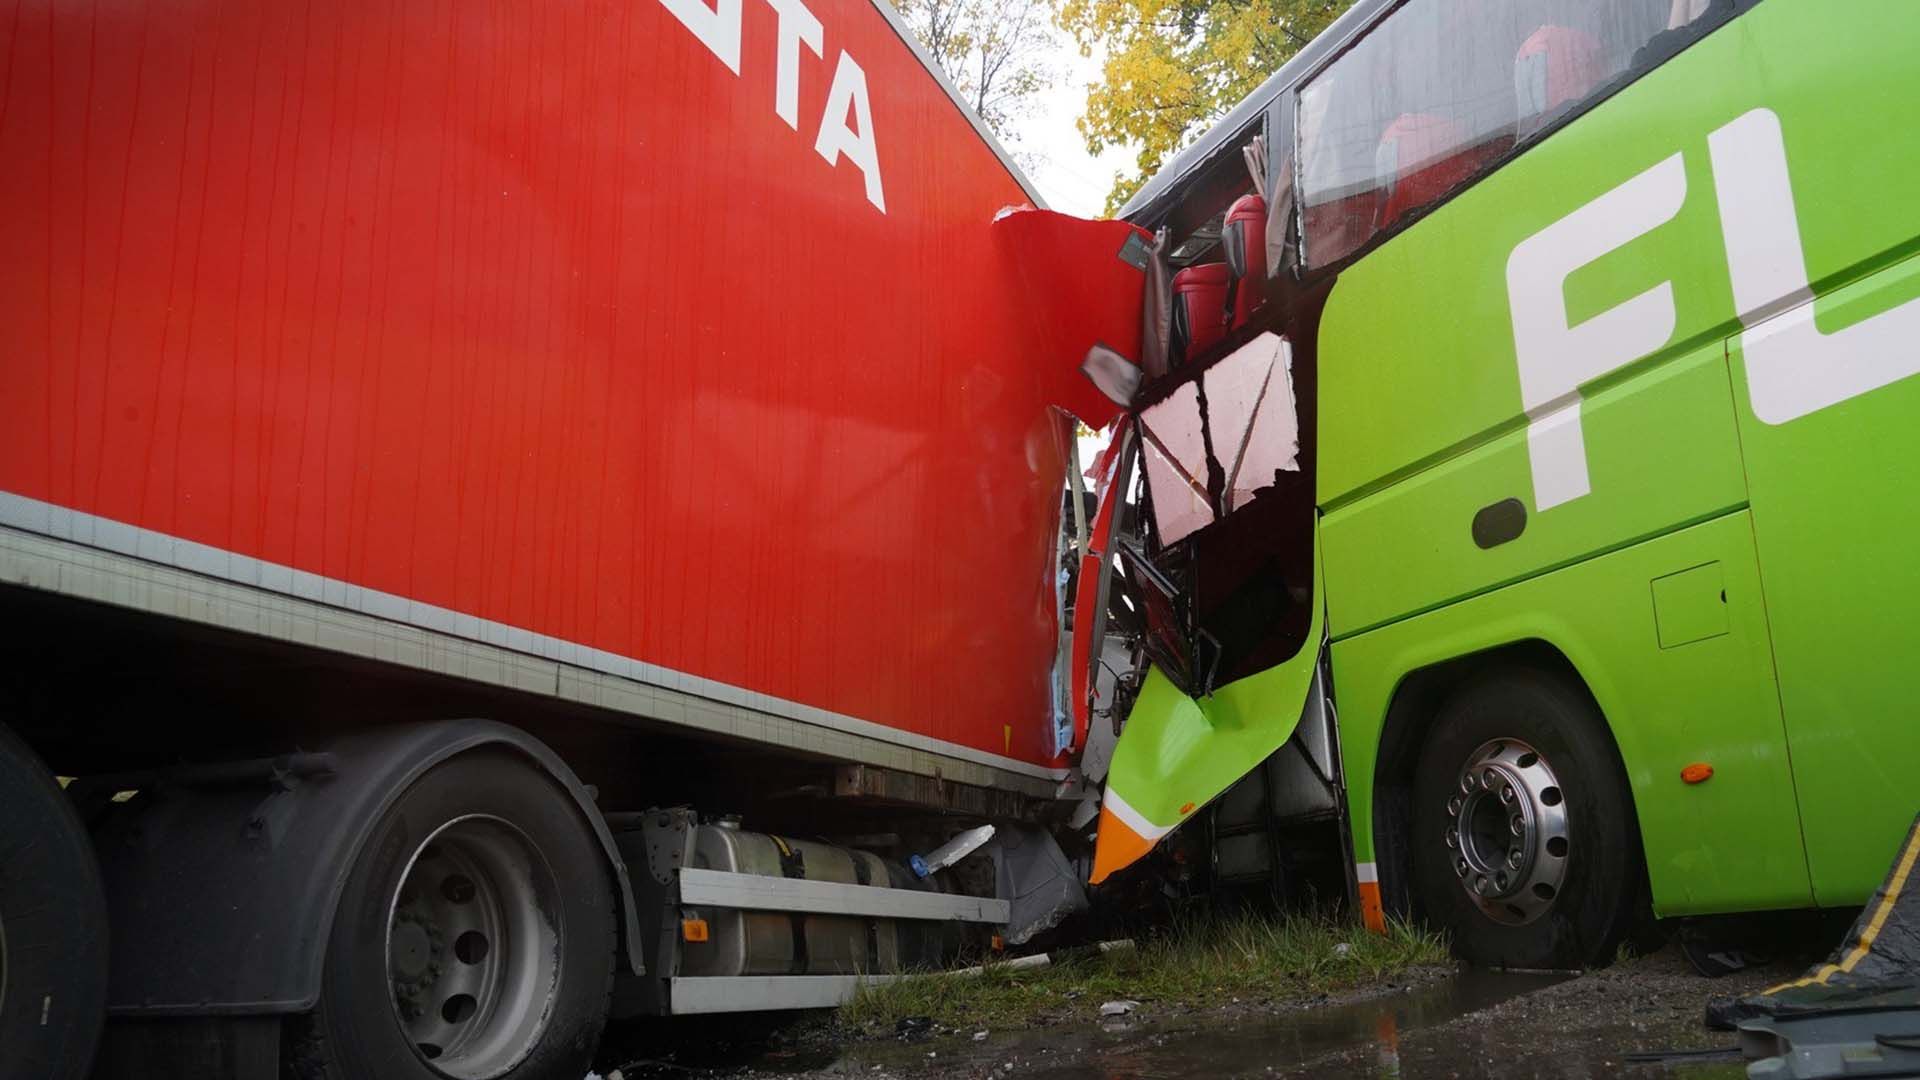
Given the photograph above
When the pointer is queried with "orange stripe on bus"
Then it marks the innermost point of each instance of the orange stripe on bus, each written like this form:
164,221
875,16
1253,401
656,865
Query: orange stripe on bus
1371,911
1115,846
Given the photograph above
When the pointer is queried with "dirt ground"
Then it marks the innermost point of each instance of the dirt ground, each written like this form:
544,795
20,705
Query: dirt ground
1639,1018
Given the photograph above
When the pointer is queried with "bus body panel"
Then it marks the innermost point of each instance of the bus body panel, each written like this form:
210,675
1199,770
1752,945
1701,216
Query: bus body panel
1732,843
1828,427
1836,509
1665,453
1442,374
1423,423
564,323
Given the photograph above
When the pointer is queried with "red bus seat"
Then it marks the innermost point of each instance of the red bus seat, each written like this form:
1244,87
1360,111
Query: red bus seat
1426,156
1556,66
1199,310
1244,239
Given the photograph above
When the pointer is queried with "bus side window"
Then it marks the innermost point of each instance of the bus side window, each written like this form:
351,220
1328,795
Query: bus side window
1688,22
1556,69
1686,11
1438,92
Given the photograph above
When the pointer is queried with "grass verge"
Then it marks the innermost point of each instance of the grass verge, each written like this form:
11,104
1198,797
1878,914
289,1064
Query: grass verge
1192,965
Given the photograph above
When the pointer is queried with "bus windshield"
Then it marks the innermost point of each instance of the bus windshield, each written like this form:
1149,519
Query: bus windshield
1441,90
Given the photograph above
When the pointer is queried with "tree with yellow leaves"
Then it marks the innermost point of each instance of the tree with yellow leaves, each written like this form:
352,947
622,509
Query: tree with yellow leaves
1174,66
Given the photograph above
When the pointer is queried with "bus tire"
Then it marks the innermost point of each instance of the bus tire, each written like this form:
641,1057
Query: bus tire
53,926
1525,845
474,938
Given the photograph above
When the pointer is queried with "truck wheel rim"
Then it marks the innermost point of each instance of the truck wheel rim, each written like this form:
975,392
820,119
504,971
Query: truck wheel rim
474,948
1506,831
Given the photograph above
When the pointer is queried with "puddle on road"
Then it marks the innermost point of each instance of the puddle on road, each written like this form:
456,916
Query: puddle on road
1392,1037
1204,1046
1389,1037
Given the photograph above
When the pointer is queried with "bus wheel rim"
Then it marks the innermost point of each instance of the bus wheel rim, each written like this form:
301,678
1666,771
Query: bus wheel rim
1506,832
474,948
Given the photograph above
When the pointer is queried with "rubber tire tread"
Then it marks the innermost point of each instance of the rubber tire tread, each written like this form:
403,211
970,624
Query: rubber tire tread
1604,896
353,1035
54,912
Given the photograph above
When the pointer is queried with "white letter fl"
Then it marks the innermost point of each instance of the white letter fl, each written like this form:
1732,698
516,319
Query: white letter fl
1556,358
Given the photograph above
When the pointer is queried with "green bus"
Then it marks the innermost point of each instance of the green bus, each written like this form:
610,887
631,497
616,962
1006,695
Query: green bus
1602,318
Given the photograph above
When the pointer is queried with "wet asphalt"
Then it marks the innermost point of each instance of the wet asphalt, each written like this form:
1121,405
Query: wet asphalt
1639,1018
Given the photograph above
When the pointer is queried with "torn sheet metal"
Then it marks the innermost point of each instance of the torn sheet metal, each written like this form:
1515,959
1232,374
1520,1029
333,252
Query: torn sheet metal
1212,443
1096,574
1034,876
1179,753
1114,657
1081,284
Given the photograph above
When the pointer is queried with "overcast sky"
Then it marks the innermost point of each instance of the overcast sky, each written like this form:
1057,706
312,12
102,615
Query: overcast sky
1068,177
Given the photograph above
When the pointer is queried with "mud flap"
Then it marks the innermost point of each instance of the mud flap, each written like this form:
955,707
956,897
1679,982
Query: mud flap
1179,753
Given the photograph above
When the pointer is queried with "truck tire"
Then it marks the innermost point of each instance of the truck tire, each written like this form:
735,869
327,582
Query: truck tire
53,926
1525,845
474,939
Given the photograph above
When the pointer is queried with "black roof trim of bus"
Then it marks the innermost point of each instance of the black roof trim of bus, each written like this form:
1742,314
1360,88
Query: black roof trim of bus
1157,198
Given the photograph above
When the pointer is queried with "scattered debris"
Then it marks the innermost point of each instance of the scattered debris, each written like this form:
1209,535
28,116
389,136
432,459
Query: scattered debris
950,852
1118,1008
1262,961
1018,963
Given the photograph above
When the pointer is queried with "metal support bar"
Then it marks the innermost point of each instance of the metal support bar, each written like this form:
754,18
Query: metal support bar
753,891
753,993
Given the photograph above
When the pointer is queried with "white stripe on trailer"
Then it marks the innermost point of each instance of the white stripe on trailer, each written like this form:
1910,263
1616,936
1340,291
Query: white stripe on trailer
1366,872
758,892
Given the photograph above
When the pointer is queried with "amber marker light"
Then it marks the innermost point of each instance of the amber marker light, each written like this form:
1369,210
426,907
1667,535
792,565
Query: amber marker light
1697,773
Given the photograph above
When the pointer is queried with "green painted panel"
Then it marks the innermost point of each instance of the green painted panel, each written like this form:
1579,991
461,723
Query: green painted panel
1732,843
1177,753
1422,414
1836,507
1417,358
1690,606
1664,452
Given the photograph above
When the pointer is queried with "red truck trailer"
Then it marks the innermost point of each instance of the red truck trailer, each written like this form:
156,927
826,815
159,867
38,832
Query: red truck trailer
511,511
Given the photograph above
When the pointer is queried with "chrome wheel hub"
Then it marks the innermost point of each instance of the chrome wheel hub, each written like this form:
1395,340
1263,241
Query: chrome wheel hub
473,948
1506,831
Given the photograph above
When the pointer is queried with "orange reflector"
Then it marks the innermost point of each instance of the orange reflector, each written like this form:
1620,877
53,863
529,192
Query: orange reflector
1187,809
999,943
1697,773
693,929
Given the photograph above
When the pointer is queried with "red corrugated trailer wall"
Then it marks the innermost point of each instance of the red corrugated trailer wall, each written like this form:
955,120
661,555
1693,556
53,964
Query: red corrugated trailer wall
539,319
